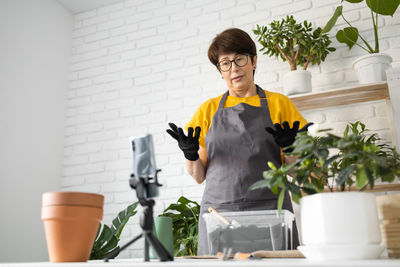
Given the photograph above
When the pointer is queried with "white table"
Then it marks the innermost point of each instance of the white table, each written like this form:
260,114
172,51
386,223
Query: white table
214,263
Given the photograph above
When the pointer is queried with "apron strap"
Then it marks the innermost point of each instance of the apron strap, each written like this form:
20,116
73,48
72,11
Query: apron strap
223,99
263,98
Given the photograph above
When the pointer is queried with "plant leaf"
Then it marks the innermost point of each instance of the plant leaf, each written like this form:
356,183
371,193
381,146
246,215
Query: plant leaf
332,21
296,197
281,198
275,190
388,177
361,178
119,222
107,239
348,35
309,191
259,184
370,177
292,187
383,7
330,160
344,174
271,165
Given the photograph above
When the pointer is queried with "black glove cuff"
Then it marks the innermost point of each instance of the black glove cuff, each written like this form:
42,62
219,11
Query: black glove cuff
284,142
287,150
191,156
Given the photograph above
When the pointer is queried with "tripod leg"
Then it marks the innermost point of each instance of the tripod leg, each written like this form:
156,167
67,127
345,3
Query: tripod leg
146,250
161,251
116,252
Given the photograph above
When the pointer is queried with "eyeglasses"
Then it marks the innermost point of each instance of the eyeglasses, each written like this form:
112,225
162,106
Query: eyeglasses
226,64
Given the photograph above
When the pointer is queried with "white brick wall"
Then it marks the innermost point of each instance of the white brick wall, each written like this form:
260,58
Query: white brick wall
138,65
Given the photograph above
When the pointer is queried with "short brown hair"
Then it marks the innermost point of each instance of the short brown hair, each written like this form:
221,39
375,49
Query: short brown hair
232,40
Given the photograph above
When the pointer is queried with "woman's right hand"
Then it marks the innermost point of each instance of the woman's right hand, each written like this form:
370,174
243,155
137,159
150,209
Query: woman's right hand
188,144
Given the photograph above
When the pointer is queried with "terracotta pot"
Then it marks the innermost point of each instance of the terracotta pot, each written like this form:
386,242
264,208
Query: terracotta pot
389,213
71,220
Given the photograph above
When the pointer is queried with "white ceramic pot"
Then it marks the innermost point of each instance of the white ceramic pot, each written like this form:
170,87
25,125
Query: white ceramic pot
340,225
297,82
372,68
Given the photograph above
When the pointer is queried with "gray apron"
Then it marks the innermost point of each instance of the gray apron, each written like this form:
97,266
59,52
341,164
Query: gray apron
238,149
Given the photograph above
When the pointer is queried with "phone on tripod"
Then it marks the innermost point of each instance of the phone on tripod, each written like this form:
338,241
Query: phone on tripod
144,163
144,181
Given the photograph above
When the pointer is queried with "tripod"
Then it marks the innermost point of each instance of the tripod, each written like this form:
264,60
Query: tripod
146,189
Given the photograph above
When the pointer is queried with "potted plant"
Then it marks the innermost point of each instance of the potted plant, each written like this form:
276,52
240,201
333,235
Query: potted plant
298,44
371,67
185,218
344,224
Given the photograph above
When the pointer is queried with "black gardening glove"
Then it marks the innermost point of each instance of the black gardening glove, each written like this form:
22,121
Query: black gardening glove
284,135
188,144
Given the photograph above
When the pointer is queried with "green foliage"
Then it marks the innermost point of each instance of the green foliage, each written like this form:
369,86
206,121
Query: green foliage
352,160
107,238
296,43
185,218
350,35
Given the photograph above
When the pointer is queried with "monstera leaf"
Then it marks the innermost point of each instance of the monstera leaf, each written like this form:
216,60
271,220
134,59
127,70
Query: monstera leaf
383,7
107,238
348,35
119,222
104,243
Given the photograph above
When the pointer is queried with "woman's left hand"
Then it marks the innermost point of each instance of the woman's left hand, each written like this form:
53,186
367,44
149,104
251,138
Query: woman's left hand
283,135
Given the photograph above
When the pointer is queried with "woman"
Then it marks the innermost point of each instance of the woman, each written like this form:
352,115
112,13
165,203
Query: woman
236,134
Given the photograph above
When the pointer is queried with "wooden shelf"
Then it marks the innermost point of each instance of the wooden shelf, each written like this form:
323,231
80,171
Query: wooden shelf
377,188
342,96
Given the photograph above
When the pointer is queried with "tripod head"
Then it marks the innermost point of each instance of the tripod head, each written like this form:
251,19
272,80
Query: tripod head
146,187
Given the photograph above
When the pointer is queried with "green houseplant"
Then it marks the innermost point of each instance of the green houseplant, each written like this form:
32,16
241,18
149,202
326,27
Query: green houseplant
296,43
372,67
107,237
332,220
185,218
359,161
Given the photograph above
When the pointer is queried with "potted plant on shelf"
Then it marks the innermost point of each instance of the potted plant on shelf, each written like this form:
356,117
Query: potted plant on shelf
371,67
344,224
298,44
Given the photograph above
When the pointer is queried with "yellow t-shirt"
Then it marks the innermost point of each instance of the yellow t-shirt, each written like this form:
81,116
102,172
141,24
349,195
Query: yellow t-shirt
280,107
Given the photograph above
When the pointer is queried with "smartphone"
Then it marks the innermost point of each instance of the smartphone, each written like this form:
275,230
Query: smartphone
144,162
